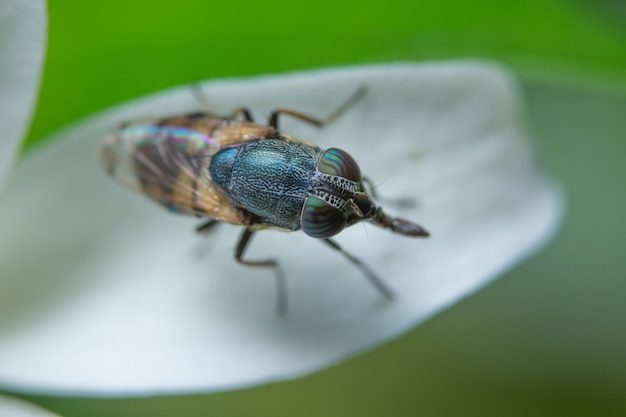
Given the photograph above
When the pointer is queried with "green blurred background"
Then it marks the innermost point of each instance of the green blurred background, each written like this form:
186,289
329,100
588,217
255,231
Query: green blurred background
547,339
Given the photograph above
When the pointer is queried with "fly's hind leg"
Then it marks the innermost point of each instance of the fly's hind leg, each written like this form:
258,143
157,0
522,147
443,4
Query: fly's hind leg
198,94
354,98
206,227
244,111
371,276
204,246
281,288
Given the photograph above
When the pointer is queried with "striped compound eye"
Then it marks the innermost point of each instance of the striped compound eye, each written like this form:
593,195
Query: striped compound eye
321,220
337,162
323,215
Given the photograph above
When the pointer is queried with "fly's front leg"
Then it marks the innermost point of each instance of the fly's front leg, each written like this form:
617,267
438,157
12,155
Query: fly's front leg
403,202
273,120
371,188
281,290
378,283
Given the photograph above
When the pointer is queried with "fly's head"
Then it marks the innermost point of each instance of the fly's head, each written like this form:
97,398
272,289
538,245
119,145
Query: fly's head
338,199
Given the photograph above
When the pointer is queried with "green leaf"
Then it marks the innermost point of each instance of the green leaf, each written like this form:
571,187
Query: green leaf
106,52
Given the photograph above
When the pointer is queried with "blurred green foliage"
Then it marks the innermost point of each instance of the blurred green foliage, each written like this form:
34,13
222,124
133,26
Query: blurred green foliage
102,53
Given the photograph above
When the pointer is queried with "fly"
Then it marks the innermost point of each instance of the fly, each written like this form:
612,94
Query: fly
230,169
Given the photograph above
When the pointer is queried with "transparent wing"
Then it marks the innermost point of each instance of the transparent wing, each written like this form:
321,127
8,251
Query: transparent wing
169,162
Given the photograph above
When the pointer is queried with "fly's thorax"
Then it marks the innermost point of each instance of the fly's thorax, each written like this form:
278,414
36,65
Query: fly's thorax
337,197
269,178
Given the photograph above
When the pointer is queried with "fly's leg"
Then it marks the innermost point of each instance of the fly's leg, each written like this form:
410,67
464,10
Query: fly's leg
354,98
207,227
204,246
200,97
371,188
398,202
378,283
281,289
244,111
198,94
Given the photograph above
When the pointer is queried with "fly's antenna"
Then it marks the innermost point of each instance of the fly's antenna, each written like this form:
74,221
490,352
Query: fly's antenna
398,225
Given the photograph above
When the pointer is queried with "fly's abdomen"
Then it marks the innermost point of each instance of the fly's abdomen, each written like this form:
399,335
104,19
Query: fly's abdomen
269,178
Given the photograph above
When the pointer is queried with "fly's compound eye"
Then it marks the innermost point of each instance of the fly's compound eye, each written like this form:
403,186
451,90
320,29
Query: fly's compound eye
339,163
321,220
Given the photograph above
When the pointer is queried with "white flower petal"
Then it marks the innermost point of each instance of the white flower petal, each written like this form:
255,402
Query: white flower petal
14,407
104,293
22,48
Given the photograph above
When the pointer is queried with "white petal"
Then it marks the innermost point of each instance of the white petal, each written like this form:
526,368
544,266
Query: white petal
109,297
22,47
14,407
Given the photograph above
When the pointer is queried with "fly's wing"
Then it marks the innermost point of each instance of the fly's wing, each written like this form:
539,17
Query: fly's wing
168,161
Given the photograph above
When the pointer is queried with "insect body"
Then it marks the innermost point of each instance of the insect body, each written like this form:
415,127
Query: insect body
225,169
